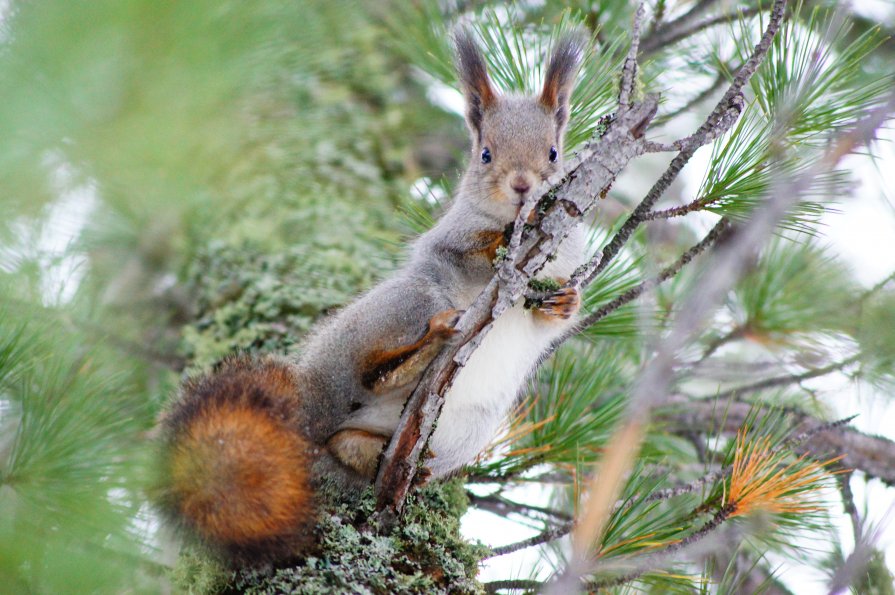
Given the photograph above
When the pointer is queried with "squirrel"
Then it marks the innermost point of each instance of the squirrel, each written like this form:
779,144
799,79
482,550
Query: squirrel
244,446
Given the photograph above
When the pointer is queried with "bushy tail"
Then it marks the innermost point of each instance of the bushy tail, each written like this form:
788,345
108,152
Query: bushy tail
235,468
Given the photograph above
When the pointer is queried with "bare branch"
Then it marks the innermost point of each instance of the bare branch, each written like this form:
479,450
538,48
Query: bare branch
545,537
673,32
629,70
786,379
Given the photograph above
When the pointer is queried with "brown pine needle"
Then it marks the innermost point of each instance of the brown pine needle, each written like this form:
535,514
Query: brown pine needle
760,482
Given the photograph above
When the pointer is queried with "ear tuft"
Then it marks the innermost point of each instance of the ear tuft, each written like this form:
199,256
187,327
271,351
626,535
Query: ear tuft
560,78
474,80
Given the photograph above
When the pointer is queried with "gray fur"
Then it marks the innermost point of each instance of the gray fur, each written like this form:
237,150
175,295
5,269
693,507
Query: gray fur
446,268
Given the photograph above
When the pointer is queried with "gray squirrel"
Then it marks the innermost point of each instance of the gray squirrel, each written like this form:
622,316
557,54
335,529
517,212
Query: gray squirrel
244,446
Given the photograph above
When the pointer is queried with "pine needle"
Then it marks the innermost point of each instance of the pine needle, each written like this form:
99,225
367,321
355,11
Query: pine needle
760,482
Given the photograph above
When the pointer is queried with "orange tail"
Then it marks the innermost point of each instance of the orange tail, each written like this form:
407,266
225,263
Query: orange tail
235,466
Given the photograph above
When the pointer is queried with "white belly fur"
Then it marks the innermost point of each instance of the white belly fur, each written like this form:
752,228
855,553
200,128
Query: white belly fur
486,388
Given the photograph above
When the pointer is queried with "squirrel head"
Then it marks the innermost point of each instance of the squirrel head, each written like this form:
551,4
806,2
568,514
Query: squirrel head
517,141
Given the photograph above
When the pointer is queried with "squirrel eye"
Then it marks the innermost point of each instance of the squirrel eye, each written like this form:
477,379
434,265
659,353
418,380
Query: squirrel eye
486,155
553,155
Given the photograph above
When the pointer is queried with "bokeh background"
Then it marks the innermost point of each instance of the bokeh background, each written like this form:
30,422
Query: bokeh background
180,180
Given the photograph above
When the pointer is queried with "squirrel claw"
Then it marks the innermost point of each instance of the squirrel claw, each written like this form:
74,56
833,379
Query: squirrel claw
563,303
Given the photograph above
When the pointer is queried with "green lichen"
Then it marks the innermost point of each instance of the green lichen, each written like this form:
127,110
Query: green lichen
251,299
603,124
544,284
423,553
197,573
500,255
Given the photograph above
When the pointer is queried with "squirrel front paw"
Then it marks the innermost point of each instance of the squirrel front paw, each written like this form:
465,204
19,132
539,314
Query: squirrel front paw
562,303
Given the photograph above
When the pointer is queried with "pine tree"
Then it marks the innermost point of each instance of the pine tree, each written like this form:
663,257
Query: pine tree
184,180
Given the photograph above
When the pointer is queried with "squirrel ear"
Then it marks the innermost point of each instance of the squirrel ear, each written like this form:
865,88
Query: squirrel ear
480,95
560,78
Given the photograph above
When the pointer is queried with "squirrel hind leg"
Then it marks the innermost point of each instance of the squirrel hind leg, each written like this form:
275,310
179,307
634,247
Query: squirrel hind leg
235,467
358,450
385,370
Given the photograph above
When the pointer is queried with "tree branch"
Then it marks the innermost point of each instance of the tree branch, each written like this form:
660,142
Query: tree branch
785,379
727,267
717,233
629,69
872,455
674,31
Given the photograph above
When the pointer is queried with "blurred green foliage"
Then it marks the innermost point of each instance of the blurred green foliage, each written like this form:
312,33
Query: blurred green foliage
185,179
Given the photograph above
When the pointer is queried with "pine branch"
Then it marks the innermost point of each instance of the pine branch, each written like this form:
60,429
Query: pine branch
727,267
544,537
718,121
717,233
553,533
872,455
648,562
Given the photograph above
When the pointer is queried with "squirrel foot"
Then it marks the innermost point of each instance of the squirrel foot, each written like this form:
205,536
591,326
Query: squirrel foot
563,303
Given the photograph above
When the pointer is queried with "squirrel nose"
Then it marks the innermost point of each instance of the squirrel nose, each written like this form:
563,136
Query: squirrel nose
520,185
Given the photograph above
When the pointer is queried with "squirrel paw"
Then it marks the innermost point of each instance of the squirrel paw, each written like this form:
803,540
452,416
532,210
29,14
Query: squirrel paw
563,303
445,323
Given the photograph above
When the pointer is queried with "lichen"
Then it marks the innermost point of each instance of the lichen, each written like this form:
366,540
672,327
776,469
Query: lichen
251,299
423,553
544,284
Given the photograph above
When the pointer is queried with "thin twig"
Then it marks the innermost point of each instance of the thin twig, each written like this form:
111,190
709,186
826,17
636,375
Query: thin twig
546,536
786,379
722,77
717,233
733,335
513,585
667,36
680,211
629,70
500,505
